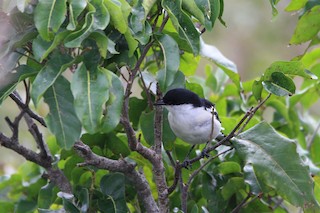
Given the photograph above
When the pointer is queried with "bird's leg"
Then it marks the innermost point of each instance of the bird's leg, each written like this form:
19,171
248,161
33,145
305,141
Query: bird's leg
204,151
186,163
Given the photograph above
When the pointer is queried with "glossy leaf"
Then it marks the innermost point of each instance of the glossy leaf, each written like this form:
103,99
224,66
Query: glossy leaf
113,185
308,26
75,8
90,89
101,41
257,89
141,29
294,68
132,43
18,39
118,10
116,145
273,6
275,163
279,84
295,5
40,46
75,39
233,186
45,196
101,15
62,119
183,24
22,72
192,7
147,126
228,66
48,74
171,56
48,17
229,167
43,48
114,105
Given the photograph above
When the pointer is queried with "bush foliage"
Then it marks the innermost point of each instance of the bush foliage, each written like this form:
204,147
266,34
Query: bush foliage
109,150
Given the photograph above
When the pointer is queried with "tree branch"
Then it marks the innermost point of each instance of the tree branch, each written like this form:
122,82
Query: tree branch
55,175
43,158
128,169
16,98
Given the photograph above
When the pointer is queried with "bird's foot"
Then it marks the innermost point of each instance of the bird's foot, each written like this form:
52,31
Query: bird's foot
204,153
186,163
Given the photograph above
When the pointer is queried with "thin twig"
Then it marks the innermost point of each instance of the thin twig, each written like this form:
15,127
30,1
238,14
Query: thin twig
16,98
185,187
253,111
146,90
196,172
242,204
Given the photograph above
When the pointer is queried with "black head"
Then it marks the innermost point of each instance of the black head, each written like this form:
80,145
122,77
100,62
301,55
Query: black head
181,96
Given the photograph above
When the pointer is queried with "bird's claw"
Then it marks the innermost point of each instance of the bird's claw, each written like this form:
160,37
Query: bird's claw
204,154
186,164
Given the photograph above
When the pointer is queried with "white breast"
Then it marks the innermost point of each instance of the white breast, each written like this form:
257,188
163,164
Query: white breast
193,125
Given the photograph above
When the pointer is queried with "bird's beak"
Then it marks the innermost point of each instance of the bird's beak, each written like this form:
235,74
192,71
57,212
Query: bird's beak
159,102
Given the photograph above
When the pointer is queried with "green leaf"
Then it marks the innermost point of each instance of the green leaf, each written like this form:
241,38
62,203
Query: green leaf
311,57
183,24
168,137
113,185
280,84
275,163
132,43
119,11
141,29
198,12
25,206
75,39
7,206
42,48
22,72
171,56
147,126
137,106
147,5
48,17
114,105
273,6
62,119
257,89
307,27
75,9
101,41
101,15
295,5
228,66
46,196
84,199
295,68
188,63
229,167
116,145
49,73
39,47
233,186
18,39
90,89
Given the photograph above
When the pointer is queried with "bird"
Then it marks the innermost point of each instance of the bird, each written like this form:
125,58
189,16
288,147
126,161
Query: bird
191,118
